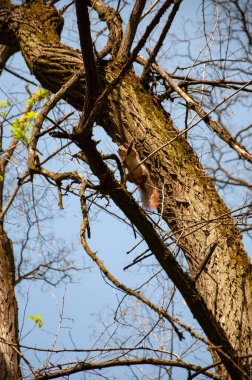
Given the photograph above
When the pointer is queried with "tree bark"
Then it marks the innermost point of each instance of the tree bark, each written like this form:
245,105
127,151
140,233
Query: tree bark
9,359
199,219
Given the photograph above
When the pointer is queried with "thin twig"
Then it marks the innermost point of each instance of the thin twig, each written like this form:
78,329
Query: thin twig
205,261
111,278
161,38
222,134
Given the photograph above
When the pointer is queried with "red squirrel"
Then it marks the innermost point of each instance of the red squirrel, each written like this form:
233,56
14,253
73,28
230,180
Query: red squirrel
139,175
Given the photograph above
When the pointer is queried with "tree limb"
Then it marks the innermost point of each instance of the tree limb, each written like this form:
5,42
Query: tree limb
91,76
114,22
161,38
131,28
80,367
222,134
184,283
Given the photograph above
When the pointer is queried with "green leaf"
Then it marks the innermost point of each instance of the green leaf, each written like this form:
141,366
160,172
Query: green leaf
4,104
37,319
38,96
30,116
20,130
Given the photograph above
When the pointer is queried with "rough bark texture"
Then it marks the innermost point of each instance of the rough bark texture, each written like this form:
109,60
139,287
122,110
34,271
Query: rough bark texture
9,360
192,207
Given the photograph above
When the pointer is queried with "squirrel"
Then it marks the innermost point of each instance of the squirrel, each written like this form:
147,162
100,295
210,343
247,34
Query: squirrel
138,174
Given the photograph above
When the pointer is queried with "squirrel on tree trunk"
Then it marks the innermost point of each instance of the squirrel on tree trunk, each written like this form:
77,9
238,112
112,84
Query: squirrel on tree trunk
139,175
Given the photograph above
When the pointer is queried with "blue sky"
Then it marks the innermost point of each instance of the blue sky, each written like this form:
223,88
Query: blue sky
79,312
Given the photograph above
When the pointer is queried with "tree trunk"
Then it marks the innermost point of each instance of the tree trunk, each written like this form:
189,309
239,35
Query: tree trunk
195,213
200,221
9,359
192,208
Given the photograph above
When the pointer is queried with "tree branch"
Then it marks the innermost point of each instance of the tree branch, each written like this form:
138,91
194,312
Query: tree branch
114,22
40,118
83,129
222,134
111,278
91,76
161,38
131,28
182,280
80,367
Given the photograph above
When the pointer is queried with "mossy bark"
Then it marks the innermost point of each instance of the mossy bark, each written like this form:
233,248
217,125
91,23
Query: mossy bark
192,208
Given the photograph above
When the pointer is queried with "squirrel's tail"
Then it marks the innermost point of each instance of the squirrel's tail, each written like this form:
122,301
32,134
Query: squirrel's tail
149,195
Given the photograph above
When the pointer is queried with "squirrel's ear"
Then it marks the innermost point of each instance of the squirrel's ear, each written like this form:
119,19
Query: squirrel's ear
126,145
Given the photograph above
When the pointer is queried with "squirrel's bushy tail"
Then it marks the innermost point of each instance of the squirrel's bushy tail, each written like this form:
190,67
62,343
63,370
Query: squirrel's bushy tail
149,195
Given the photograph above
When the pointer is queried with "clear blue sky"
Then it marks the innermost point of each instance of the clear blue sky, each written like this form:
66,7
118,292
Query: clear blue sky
89,303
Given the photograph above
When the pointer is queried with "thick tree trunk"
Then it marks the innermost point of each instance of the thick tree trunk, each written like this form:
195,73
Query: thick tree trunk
198,218
192,208
9,359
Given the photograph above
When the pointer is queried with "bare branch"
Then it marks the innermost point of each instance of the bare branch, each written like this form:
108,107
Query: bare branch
45,110
114,22
131,28
80,367
222,134
111,278
87,54
83,130
184,283
161,38
245,22
20,76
